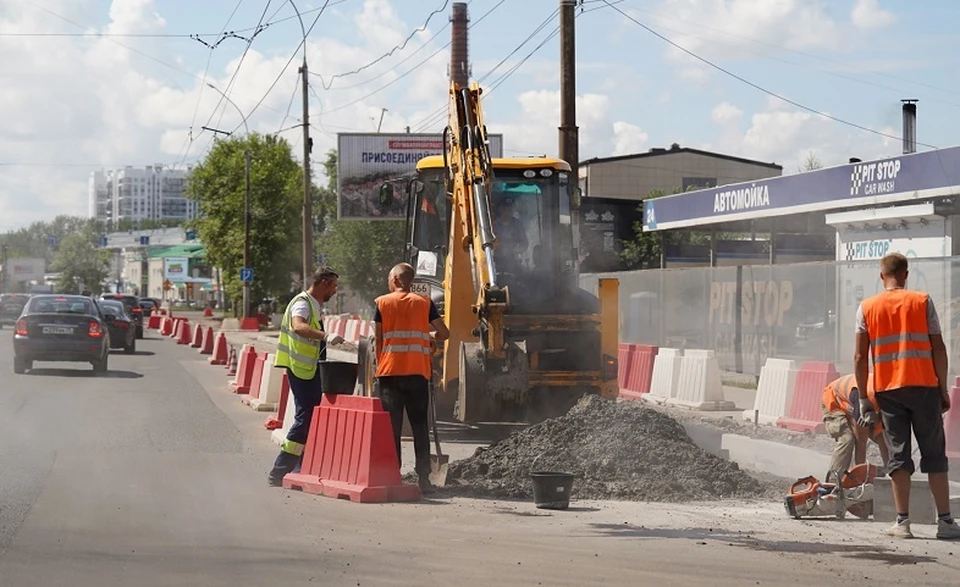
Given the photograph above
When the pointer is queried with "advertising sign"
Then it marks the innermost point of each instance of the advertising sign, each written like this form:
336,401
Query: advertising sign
908,177
604,224
175,268
25,269
373,170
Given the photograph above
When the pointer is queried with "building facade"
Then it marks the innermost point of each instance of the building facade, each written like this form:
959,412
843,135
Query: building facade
677,169
153,192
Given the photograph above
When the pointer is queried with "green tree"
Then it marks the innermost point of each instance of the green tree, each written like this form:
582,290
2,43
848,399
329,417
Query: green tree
361,251
217,183
81,264
44,239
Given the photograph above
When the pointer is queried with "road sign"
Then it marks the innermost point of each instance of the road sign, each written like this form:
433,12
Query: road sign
52,241
144,240
246,275
103,241
191,235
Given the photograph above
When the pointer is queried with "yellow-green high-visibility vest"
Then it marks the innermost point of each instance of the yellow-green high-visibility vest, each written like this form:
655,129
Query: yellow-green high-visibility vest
297,353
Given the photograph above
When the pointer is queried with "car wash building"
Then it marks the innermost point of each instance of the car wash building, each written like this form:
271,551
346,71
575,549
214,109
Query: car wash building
782,263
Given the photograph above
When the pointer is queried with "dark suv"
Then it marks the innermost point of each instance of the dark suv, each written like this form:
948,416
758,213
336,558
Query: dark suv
133,306
11,305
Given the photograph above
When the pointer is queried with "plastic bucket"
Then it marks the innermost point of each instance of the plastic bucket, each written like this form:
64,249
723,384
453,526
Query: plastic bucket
551,489
337,377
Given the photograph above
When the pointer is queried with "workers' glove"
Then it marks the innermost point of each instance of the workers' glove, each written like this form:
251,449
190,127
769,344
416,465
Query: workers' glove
868,416
333,339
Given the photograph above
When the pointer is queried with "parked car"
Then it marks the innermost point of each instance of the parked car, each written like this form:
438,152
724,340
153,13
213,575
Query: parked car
61,328
133,305
11,305
123,331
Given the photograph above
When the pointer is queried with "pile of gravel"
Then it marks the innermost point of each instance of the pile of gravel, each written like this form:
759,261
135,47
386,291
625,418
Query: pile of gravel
618,450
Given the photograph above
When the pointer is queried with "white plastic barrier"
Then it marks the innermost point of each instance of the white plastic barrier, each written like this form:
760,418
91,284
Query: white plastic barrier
280,434
778,378
270,385
666,374
352,333
699,386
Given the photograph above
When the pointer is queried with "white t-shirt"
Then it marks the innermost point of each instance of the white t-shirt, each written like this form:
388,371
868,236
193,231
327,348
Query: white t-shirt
301,307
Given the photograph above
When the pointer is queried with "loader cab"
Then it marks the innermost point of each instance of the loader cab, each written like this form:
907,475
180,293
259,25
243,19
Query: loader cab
531,209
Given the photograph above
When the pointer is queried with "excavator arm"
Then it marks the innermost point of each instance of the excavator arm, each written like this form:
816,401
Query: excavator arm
470,169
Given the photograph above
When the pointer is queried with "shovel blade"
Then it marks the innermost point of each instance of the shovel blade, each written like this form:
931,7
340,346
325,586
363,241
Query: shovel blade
439,464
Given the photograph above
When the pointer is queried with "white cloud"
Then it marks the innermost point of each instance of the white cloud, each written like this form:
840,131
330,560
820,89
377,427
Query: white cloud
869,15
725,113
628,138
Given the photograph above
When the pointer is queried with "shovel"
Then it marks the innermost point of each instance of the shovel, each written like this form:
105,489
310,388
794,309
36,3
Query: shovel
438,462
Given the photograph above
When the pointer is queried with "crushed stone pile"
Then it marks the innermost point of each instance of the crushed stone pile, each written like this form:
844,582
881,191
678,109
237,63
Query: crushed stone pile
618,450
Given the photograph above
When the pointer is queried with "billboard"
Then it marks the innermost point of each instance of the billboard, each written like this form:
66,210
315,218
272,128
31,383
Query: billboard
604,224
374,168
175,268
25,269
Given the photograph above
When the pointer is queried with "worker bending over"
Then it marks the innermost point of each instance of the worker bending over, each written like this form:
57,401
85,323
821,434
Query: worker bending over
841,415
404,344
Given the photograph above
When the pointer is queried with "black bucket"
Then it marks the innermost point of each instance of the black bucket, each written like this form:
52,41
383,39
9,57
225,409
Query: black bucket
551,489
337,377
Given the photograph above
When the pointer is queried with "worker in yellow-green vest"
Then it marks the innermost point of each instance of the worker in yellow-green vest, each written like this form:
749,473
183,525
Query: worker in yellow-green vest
301,345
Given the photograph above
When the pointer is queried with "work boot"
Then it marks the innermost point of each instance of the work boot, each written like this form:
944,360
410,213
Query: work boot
274,480
948,530
899,530
426,488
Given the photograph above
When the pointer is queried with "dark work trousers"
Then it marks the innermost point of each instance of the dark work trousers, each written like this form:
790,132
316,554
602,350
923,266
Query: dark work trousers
410,392
306,396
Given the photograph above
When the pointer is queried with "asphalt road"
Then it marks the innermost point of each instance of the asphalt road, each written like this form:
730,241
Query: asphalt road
155,475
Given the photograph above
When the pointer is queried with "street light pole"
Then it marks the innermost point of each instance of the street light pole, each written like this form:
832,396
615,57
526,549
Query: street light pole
246,201
307,203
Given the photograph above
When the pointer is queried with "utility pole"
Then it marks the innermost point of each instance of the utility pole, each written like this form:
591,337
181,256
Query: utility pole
307,204
569,139
246,226
380,124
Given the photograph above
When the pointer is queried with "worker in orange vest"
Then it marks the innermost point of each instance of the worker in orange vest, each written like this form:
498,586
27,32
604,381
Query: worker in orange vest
898,332
841,415
404,343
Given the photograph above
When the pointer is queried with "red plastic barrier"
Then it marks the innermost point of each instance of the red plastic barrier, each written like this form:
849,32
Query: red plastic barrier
206,347
276,420
806,412
640,371
260,363
350,453
197,336
176,327
248,360
220,352
153,322
250,324
207,312
624,354
184,334
951,422
166,326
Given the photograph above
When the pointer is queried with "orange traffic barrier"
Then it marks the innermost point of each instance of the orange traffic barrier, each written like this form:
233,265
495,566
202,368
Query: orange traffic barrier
275,421
197,336
153,322
253,389
350,453
166,326
220,351
639,373
951,422
183,336
176,327
244,374
206,347
806,410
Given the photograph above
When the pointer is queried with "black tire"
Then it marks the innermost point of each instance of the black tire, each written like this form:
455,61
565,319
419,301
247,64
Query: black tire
139,332
19,366
132,349
102,366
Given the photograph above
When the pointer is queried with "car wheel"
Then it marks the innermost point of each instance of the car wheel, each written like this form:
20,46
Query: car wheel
19,366
139,331
101,366
132,348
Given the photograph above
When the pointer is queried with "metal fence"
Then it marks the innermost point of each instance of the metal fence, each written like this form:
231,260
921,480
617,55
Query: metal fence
747,313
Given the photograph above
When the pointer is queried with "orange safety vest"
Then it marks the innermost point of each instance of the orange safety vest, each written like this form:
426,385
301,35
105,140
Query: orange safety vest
899,340
427,206
405,324
836,397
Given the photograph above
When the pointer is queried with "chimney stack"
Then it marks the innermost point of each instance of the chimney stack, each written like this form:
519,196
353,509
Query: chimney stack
459,61
909,126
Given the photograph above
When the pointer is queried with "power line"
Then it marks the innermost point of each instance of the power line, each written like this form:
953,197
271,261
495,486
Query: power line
757,86
396,48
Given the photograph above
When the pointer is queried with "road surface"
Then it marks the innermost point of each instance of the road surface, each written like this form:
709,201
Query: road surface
156,475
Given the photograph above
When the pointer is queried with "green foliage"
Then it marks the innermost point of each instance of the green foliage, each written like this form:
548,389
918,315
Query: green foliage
32,241
81,264
643,252
125,225
217,183
362,252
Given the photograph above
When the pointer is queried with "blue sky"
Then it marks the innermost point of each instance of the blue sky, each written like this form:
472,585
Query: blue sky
73,104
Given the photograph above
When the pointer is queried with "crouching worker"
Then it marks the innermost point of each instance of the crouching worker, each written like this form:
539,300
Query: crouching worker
841,417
